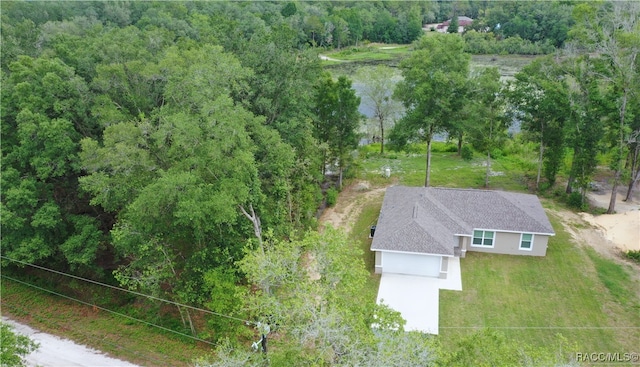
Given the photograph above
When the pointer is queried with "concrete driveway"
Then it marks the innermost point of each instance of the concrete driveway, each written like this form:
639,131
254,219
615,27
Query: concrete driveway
417,298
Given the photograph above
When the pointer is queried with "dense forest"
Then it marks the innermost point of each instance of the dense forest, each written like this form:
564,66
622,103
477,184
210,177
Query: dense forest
180,149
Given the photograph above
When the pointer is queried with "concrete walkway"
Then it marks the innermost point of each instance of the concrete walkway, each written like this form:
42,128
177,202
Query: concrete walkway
417,298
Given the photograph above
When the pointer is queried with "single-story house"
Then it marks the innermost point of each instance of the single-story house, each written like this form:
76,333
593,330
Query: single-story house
421,228
463,22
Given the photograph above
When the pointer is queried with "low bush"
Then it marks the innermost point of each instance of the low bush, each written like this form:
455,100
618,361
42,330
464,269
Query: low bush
466,152
486,43
332,196
633,255
373,148
575,200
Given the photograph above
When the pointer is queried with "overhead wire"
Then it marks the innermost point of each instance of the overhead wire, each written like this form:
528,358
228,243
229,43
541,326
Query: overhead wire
93,337
130,291
108,310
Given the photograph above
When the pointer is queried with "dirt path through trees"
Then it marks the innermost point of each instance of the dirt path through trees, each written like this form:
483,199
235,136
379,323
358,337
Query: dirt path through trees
349,205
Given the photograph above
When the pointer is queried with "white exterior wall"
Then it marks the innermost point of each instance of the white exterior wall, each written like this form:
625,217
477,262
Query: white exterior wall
411,264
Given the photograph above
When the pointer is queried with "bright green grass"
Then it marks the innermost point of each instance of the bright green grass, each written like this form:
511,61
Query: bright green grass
615,278
447,169
371,53
572,291
533,299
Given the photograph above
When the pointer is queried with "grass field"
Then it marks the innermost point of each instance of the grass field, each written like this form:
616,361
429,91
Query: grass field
113,334
508,65
372,52
347,61
535,299
360,235
448,169
573,291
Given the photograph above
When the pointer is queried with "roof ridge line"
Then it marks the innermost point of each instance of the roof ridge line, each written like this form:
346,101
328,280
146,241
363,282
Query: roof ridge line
437,240
446,210
506,196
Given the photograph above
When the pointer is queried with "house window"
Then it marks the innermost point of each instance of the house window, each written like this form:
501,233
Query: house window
526,241
483,238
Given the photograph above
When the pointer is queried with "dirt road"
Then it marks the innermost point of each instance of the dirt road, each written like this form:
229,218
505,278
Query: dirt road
58,352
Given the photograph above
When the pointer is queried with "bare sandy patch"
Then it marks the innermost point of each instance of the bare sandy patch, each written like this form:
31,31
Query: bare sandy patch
622,230
349,205
607,242
327,58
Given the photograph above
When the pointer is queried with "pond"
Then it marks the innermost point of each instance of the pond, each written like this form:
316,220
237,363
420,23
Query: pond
508,66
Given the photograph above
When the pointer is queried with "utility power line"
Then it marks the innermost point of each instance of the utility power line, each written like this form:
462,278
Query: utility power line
108,310
129,291
95,338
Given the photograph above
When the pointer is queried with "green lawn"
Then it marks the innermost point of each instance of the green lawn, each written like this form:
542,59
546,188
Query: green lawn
573,291
448,169
375,52
534,299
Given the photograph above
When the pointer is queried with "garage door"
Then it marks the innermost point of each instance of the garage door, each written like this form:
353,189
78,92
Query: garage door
424,265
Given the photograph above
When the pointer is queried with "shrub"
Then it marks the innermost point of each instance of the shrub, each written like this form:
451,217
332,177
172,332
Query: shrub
369,149
442,147
575,200
332,196
416,148
451,148
466,152
497,153
633,255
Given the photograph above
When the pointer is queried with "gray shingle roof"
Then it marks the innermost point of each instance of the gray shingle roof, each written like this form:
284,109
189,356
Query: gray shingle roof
427,220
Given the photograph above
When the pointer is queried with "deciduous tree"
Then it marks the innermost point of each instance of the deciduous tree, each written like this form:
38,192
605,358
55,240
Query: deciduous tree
14,347
611,30
539,98
338,119
435,77
585,126
377,93
488,131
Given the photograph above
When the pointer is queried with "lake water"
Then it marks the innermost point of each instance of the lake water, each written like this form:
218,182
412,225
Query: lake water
370,128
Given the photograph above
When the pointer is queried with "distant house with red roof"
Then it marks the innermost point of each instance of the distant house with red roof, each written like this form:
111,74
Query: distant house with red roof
462,23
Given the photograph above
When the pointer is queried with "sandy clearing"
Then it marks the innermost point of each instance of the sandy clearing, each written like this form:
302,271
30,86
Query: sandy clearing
622,229
58,352
349,205
327,58
585,234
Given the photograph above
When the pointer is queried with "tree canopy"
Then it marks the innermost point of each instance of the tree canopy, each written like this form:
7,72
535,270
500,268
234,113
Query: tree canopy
434,82
179,148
